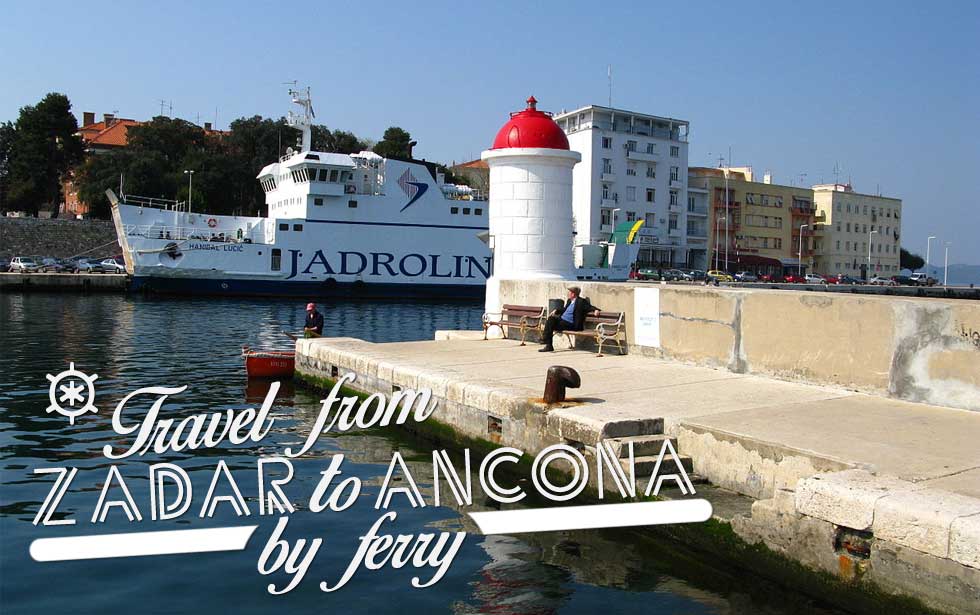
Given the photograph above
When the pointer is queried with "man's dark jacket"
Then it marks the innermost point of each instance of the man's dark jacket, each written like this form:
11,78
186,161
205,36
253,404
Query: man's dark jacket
314,320
582,309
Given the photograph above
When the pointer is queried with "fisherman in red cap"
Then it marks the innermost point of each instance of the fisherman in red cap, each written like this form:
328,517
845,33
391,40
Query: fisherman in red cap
314,322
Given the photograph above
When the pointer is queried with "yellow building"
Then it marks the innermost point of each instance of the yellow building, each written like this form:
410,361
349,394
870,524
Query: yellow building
857,230
765,221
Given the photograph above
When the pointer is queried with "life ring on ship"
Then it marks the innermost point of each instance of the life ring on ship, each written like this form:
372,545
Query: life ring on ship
212,222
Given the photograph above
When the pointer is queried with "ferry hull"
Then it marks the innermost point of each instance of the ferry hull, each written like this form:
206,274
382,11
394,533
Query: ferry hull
312,290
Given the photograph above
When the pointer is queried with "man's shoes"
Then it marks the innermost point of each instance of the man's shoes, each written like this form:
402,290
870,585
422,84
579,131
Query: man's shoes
546,349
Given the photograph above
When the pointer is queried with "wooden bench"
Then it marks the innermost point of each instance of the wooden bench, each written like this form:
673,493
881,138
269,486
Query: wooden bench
524,317
602,328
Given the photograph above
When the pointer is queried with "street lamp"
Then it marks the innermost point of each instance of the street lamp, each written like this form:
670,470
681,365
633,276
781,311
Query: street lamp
190,189
717,233
800,267
928,245
946,266
869,252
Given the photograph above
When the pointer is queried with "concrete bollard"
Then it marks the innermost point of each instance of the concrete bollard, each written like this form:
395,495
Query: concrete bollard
560,377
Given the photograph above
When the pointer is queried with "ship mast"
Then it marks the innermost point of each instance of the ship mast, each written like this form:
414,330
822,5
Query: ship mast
304,121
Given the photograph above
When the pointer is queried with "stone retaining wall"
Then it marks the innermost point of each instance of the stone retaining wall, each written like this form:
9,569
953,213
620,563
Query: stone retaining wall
921,350
59,238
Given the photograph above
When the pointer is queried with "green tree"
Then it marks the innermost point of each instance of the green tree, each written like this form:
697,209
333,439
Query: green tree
395,143
44,147
7,135
909,260
336,141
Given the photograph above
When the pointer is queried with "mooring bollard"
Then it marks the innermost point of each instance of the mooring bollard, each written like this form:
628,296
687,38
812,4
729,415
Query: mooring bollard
559,377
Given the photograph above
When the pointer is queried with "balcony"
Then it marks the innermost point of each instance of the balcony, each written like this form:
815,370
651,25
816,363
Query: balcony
611,201
676,183
608,176
642,156
697,212
807,232
697,233
674,208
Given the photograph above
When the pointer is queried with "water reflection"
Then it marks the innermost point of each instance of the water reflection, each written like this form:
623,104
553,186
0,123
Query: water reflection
133,342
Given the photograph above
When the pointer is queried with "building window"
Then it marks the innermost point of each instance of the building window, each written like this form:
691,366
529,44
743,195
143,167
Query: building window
838,244
631,216
750,198
606,142
276,259
605,217
631,170
672,223
352,204
631,146
690,202
606,165
675,174
283,227
673,197
651,220
605,192
297,227
651,195
318,201
675,151
651,171
630,193
651,148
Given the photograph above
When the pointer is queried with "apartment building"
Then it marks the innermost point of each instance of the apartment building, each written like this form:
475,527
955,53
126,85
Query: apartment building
634,167
770,227
859,234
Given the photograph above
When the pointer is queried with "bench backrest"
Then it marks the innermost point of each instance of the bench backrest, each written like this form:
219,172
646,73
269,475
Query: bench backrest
517,311
605,317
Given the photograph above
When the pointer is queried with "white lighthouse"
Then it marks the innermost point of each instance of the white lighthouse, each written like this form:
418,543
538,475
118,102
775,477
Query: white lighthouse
530,201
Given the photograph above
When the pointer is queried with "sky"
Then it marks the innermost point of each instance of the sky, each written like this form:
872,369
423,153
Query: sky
888,92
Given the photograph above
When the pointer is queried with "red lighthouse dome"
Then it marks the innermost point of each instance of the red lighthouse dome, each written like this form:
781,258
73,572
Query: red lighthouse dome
530,128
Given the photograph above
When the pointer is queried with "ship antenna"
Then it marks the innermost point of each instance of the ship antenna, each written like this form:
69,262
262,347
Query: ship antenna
302,122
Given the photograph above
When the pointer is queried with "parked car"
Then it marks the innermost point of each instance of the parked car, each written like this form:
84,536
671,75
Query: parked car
647,274
814,278
772,278
794,278
882,281
902,280
716,275
676,275
697,275
84,265
922,279
51,265
24,264
4,264
841,278
111,265
746,276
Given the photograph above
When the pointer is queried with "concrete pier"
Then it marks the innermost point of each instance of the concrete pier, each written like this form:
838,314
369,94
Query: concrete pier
68,282
869,488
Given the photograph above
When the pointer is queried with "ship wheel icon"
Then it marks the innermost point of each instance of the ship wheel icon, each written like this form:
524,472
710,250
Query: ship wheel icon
77,393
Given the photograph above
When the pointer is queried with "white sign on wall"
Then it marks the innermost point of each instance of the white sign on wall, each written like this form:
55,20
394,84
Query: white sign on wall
646,314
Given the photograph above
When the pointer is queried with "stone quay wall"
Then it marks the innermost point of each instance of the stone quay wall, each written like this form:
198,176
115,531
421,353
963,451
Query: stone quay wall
59,238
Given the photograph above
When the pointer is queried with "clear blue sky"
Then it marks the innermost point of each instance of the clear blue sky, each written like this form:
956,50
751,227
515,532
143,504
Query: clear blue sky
889,90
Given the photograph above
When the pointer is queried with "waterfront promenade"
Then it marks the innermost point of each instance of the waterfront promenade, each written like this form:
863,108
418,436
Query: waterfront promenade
862,486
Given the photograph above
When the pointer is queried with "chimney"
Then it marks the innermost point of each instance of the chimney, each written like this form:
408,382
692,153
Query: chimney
108,118
207,126
88,117
767,178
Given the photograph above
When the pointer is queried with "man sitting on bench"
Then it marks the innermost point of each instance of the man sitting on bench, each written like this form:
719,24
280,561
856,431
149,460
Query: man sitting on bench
571,318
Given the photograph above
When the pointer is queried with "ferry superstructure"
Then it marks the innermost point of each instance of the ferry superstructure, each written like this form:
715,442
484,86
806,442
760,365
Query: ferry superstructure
337,225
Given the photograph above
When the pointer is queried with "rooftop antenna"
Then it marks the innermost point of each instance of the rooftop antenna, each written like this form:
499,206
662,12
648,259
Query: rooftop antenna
609,76
837,172
165,105
802,180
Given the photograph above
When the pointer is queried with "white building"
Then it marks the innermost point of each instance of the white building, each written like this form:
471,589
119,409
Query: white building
859,235
634,167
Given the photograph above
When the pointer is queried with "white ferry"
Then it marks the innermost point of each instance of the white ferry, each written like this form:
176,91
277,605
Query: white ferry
338,225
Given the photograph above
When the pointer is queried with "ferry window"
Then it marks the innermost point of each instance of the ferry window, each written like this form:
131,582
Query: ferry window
454,210
466,211
318,201
333,175
352,204
323,175
276,259
478,211
297,227
283,227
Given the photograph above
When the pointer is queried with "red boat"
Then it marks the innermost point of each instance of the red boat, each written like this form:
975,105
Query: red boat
269,363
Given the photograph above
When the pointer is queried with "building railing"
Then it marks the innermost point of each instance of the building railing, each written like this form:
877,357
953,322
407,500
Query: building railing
156,203
187,233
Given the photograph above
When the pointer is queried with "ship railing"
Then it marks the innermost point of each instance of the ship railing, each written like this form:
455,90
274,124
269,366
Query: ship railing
183,233
156,203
